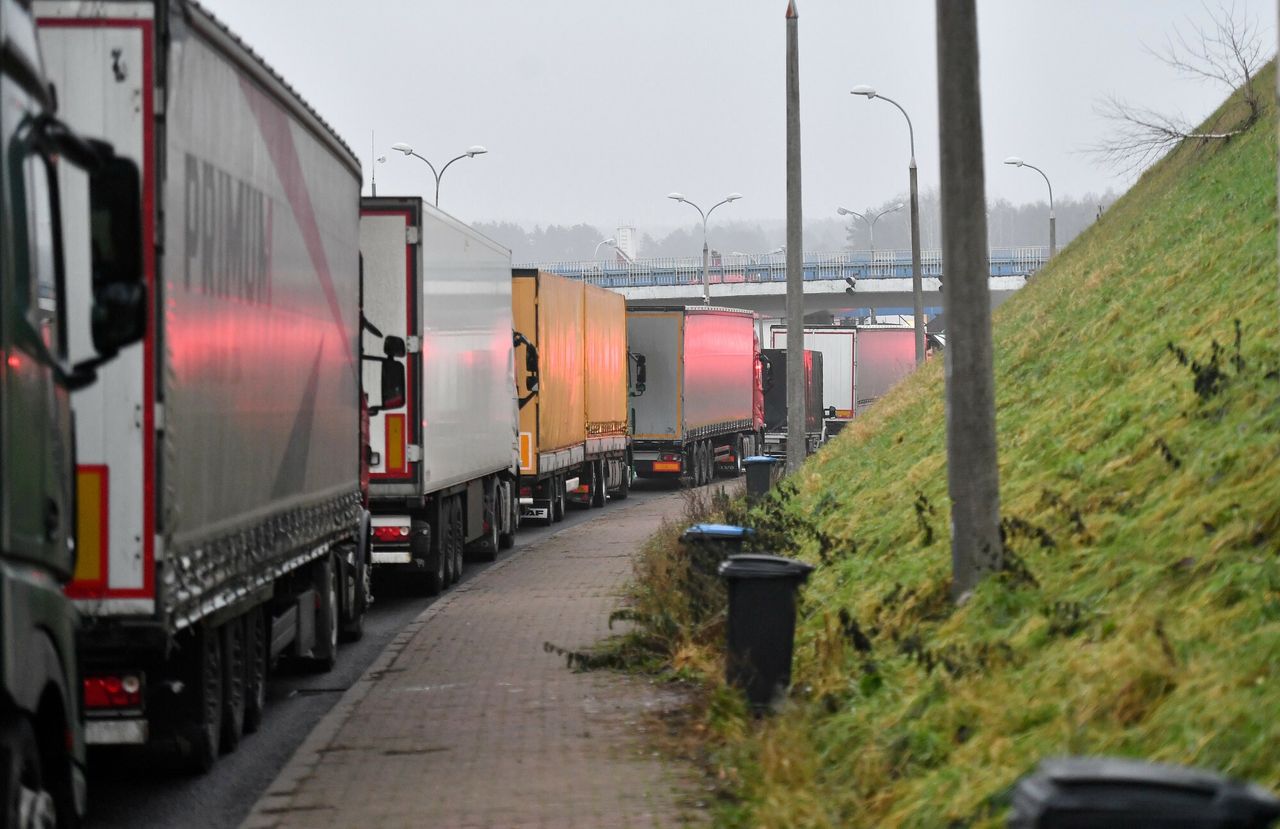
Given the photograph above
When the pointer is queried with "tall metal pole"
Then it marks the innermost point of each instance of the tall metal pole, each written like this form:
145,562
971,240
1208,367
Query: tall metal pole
706,279
973,478
796,439
917,291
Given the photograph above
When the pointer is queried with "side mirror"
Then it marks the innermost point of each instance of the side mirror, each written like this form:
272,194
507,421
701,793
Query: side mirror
642,374
394,347
530,365
766,373
393,385
119,314
830,411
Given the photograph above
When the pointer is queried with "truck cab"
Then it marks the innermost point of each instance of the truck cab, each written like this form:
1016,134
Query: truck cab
57,324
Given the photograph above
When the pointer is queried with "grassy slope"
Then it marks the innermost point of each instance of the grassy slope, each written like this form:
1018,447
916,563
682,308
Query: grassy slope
1153,625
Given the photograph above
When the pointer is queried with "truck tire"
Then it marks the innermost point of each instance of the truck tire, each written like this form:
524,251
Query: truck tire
558,499
357,588
201,728
324,655
600,493
704,464
624,489
511,504
27,803
257,654
235,659
429,581
486,547
459,539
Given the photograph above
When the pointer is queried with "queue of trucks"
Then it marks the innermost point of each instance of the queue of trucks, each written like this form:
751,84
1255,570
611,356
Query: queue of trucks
234,389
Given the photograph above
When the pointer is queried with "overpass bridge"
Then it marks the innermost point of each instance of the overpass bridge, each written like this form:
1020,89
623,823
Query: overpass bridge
879,280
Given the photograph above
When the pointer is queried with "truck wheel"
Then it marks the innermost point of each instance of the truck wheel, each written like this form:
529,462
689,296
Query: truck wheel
234,666
459,539
324,655
428,581
599,495
558,499
27,803
738,448
486,548
255,668
511,504
358,587
624,489
202,726
701,452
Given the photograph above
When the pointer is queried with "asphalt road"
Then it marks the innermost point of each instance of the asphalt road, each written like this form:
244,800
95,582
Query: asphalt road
133,789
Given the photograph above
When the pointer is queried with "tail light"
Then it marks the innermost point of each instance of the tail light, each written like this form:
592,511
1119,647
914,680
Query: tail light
391,534
107,693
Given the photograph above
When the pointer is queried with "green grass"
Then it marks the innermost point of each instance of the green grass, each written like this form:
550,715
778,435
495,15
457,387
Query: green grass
1142,616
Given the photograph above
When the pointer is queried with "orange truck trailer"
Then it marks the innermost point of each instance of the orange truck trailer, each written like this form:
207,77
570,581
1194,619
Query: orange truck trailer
571,340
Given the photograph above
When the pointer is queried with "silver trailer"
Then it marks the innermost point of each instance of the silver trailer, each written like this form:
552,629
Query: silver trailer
442,470
859,364
219,458
701,410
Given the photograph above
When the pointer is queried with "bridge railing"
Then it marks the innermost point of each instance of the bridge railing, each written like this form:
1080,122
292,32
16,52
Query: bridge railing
742,268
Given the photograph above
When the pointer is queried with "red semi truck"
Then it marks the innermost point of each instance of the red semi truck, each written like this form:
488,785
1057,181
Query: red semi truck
702,409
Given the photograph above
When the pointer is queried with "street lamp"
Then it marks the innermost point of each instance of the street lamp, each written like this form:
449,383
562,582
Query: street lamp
1014,161
706,281
916,290
871,223
601,243
470,153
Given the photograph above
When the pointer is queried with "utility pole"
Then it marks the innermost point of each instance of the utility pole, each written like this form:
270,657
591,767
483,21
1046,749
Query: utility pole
797,442
973,478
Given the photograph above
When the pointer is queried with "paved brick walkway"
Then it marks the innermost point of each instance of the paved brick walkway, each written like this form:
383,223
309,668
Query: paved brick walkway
465,720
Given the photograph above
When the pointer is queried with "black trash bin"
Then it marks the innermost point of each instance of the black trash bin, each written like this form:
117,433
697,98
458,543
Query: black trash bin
1104,791
759,475
762,623
707,546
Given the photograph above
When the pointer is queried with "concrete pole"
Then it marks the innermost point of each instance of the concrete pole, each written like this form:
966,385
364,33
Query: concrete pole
917,291
706,256
796,440
973,477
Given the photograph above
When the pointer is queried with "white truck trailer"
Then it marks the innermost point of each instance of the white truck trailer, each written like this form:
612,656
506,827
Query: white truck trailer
219,465
702,408
859,364
442,471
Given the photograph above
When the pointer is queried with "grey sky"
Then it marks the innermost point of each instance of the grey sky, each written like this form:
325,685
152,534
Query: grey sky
593,110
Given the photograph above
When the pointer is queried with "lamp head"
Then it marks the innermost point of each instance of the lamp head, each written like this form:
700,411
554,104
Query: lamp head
402,148
1015,161
382,159
476,150
733,197
609,241
676,196
862,89
843,211
898,206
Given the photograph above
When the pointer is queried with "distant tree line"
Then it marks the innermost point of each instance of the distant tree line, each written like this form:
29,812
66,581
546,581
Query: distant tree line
1008,224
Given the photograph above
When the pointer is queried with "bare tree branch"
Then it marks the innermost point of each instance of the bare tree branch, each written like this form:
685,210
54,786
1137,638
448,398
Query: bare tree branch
1228,51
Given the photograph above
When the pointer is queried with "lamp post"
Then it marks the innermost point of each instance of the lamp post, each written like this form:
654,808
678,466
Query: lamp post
601,243
471,153
871,223
706,280
1014,161
916,290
